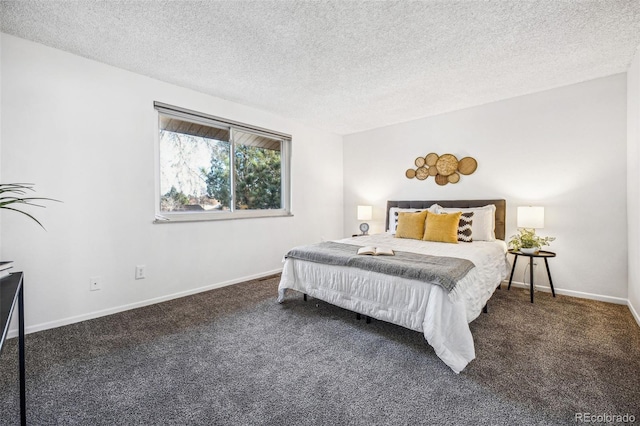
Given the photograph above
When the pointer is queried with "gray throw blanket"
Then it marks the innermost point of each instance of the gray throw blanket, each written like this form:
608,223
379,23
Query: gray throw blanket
441,270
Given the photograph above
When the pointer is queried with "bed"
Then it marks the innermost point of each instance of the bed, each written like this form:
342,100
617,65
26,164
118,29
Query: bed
442,316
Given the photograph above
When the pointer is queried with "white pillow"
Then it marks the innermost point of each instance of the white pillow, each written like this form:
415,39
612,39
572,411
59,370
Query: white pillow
393,215
484,221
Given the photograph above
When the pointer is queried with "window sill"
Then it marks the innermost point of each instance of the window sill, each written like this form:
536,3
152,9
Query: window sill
165,217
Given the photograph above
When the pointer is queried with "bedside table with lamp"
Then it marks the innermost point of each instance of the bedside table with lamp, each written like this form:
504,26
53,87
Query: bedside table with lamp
528,244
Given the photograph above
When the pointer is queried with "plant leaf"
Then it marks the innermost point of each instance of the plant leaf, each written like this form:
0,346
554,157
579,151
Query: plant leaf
13,193
26,214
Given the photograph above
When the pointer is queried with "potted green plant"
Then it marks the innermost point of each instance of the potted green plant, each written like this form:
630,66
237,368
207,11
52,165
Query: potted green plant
526,241
12,195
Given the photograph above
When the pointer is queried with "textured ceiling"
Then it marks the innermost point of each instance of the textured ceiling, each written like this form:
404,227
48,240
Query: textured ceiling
345,66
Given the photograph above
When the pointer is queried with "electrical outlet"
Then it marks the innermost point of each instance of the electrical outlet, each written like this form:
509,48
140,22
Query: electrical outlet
141,272
95,283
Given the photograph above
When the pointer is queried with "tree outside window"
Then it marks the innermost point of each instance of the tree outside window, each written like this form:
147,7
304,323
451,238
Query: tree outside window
196,172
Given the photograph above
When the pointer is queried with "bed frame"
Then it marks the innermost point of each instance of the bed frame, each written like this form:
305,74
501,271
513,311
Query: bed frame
501,209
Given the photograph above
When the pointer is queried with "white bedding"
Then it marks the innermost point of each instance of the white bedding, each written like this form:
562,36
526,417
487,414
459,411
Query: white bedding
443,318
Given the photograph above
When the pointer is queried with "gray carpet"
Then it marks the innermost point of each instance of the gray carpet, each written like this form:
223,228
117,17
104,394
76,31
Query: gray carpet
232,356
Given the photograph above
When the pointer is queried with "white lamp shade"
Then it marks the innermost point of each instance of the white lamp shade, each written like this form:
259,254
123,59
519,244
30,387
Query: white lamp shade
365,212
531,217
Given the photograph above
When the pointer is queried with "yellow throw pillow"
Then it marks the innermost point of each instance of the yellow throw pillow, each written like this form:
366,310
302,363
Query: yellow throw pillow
411,225
442,227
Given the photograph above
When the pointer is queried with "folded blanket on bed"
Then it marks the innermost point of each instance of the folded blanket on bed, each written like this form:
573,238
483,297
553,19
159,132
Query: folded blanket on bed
440,270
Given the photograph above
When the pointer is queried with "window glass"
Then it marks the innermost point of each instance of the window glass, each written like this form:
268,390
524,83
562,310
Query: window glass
188,152
210,168
258,172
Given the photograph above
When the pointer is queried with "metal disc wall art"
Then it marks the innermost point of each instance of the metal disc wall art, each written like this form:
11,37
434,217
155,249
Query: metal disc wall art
445,168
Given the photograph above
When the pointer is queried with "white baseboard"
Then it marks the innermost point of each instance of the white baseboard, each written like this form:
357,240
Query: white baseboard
13,332
633,312
573,293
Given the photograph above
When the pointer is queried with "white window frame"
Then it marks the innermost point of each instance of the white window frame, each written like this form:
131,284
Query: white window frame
232,213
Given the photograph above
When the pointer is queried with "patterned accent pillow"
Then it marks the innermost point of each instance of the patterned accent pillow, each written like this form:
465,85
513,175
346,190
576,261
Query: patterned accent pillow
484,220
464,227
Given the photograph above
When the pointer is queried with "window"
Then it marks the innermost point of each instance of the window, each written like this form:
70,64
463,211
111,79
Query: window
213,168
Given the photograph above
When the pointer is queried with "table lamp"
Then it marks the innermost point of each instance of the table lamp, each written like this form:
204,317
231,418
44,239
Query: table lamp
365,213
530,217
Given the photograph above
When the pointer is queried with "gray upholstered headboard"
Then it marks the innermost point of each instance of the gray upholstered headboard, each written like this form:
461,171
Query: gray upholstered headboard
501,209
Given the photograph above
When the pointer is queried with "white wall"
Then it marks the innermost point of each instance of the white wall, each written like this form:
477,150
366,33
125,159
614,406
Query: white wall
563,149
83,132
633,182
